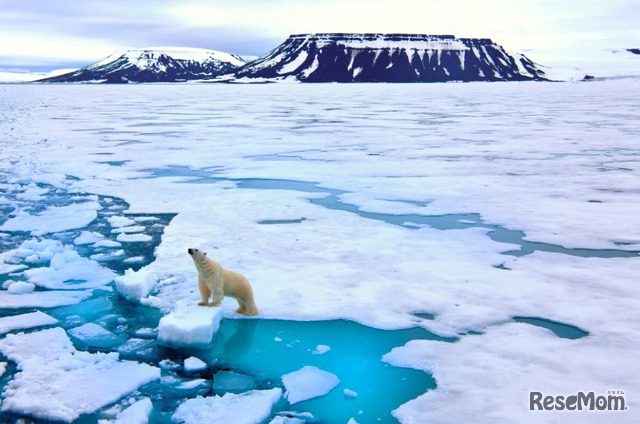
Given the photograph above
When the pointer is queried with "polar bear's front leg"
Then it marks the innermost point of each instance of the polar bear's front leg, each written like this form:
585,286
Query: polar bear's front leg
204,292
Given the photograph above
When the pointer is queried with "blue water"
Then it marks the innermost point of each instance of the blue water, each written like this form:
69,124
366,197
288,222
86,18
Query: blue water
247,353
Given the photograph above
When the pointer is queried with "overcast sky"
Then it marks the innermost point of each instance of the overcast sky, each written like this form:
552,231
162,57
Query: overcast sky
47,34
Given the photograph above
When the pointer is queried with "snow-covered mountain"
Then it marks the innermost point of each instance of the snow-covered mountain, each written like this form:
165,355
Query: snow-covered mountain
390,58
156,64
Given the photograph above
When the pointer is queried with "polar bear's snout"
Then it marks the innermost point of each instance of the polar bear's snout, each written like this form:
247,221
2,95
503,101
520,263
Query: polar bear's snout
190,251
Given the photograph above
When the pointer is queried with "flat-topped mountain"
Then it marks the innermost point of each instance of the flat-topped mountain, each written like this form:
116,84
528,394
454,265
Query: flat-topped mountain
390,58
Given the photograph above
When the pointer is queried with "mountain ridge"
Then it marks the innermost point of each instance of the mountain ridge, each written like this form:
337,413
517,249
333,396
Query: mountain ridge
155,64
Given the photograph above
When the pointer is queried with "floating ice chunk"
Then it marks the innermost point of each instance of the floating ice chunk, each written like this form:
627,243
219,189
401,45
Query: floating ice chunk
138,413
280,419
321,349
229,381
86,311
21,287
133,238
350,394
54,219
131,346
47,299
32,192
92,335
11,268
131,229
3,368
69,270
24,321
307,383
247,408
134,260
107,243
120,221
90,381
135,285
193,364
105,257
88,237
189,325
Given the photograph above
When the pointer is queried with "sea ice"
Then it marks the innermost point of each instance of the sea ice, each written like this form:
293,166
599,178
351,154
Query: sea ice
42,299
120,221
193,364
135,285
21,287
88,237
91,335
133,238
246,408
54,219
24,321
189,325
66,270
321,349
230,381
89,381
307,383
138,413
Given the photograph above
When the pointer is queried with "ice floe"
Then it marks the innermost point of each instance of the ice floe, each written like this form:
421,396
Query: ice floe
251,407
89,381
307,383
189,325
24,321
135,285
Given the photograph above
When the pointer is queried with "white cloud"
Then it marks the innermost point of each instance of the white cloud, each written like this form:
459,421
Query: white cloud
92,29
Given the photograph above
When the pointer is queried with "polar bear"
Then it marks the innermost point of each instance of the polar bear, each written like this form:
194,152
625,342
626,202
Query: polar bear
215,281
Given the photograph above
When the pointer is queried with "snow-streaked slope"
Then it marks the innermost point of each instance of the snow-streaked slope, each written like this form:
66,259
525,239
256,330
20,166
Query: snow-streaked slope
390,58
155,64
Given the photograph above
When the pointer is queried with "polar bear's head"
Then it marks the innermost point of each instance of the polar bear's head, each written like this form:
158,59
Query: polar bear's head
197,254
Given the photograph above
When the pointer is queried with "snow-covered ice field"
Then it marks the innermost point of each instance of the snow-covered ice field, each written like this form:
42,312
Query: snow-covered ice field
484,237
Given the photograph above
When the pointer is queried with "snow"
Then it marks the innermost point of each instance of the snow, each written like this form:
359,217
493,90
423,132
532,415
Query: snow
293,65
24,321
189,325
90,381
246,408
136,285
558,162
307,383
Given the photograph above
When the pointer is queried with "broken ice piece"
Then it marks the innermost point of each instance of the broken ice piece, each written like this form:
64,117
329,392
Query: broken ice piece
92,335
232,382
193,364
189,325
307,383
